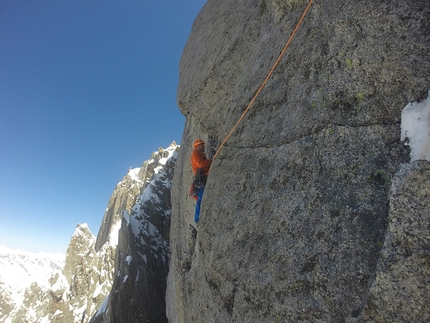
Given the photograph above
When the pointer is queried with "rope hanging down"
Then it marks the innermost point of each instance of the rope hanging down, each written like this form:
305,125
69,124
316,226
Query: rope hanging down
266,79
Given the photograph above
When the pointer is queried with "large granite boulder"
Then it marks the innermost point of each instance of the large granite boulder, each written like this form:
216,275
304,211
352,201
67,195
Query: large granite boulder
296,209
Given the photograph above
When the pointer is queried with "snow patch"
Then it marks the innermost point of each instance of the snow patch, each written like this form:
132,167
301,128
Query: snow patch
133,174
113,237
126,217
98,290
415,129
128,260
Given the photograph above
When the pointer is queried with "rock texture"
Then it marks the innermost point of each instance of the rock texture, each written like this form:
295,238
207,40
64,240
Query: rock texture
402,285
296,211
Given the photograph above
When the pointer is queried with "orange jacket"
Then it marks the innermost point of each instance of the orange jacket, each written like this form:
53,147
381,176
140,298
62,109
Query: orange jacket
198,160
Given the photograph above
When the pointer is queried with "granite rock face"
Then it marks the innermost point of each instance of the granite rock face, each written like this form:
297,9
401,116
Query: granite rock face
296,212
402,285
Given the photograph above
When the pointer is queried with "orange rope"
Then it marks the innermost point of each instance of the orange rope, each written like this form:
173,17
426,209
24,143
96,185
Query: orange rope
266,79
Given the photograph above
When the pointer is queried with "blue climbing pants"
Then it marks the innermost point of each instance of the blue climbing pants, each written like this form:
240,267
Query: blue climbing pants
199,201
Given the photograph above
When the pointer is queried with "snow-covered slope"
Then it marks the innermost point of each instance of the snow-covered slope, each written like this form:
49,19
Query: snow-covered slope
18,270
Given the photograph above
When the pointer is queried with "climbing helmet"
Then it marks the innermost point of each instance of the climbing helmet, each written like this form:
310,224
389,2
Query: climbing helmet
197,143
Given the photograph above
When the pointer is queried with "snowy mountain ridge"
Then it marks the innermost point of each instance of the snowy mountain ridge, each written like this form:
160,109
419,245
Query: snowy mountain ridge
46,288
19,269
143,253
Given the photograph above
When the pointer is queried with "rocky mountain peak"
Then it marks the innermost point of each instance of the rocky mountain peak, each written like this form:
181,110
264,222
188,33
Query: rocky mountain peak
143,253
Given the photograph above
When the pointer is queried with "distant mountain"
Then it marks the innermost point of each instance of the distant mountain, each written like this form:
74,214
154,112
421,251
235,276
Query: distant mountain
52,290
142,259
18,270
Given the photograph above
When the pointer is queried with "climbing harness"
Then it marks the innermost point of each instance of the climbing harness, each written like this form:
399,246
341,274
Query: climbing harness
266,79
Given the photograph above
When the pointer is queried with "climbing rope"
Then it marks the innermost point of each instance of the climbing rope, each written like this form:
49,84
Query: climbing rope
266,79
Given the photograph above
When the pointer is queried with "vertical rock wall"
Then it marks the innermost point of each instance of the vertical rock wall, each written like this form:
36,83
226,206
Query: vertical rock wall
296,209
402,285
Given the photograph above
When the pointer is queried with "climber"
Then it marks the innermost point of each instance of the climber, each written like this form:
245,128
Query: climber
200,165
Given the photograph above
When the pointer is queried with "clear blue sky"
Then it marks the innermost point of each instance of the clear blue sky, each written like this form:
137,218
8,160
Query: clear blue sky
87,90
